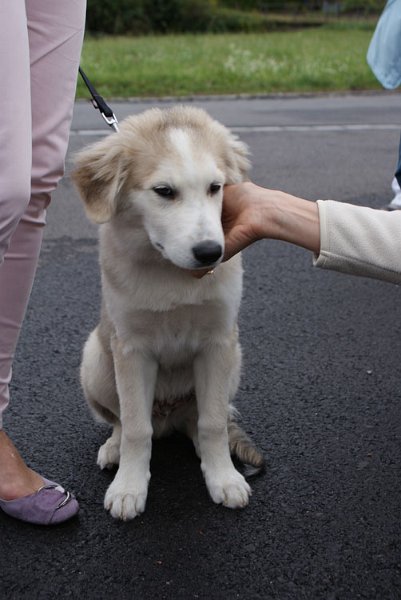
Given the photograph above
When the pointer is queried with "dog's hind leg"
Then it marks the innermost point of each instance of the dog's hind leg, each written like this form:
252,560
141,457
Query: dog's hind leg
98,382
98,379
109,453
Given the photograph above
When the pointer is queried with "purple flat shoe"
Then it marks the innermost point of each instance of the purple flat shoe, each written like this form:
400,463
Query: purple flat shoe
49,505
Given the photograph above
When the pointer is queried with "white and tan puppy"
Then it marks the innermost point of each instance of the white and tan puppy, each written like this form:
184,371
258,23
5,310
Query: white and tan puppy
165,354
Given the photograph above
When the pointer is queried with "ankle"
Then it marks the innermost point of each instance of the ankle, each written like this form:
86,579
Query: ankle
16,478
18,485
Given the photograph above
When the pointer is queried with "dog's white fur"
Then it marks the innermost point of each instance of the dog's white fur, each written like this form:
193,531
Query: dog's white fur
165,354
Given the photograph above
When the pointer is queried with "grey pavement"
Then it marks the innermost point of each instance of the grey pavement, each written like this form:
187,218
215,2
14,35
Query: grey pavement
320,394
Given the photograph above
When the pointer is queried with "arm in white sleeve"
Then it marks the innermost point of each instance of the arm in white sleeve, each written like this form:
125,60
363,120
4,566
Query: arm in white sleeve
360,241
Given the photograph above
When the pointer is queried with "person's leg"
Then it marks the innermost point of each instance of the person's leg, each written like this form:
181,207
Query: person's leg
55,32
395,203
15,121
15,189
16,278
398,170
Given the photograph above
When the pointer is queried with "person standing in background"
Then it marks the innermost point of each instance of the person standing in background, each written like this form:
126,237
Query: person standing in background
384,58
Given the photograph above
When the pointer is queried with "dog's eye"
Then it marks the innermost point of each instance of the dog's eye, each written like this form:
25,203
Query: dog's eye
165,191
214,188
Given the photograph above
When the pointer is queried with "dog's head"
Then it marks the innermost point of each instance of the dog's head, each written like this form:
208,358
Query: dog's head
165,169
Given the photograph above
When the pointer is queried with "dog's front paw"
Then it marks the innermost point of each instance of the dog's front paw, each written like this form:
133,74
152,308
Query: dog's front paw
126,501
109,454
229,488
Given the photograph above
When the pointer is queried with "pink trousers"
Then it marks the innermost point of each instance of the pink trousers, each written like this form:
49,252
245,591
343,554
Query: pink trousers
40,46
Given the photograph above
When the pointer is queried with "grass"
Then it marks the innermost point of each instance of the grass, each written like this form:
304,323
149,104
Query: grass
328,58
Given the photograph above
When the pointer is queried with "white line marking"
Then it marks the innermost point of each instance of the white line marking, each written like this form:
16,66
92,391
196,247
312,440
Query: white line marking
303,128
276,128
89,132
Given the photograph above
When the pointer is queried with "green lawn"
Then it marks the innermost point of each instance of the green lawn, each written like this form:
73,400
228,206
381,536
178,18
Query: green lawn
327,58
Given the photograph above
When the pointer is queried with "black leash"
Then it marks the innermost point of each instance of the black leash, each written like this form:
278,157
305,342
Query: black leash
100,104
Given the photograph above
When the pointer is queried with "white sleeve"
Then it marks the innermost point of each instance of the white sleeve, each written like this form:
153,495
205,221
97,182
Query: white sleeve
360,240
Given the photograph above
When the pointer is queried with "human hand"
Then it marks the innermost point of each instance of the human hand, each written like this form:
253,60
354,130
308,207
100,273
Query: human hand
245,208
252,213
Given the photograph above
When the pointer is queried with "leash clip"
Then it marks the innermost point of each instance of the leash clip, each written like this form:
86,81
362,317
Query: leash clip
111,121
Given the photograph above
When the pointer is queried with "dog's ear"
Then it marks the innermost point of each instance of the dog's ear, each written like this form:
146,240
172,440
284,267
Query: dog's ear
99,177
237,161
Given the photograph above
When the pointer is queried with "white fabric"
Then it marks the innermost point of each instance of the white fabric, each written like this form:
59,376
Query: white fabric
360,241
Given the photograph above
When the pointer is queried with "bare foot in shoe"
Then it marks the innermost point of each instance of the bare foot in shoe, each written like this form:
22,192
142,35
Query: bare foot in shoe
16,478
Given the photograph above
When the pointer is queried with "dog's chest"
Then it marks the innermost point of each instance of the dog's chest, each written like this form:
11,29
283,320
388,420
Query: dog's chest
175,336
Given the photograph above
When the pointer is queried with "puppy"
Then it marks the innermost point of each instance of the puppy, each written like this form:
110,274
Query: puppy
165,355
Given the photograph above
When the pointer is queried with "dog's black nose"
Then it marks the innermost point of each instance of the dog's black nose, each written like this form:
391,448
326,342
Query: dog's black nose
207,252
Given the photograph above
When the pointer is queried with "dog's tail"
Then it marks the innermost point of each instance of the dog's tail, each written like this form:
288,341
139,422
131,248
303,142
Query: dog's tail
244,449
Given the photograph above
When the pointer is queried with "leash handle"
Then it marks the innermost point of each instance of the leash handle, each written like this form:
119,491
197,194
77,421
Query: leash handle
99,103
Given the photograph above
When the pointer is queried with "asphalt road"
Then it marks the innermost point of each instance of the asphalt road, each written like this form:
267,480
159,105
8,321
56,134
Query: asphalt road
320,394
